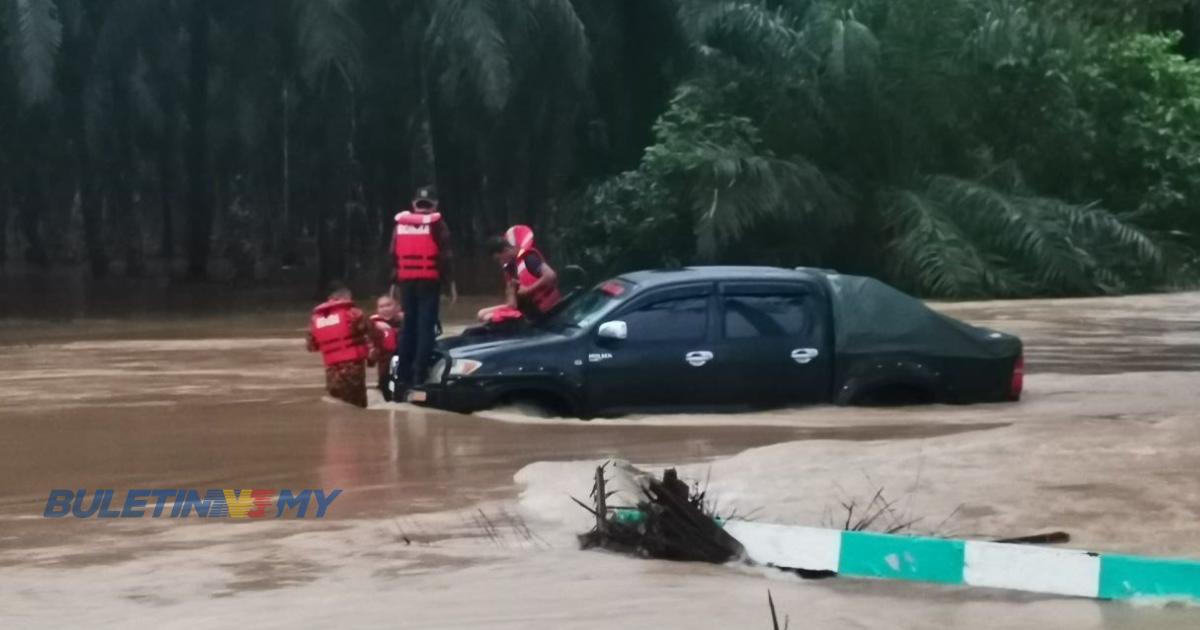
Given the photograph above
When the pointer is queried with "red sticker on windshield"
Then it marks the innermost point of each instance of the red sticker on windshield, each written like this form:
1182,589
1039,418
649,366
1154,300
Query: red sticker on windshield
613,288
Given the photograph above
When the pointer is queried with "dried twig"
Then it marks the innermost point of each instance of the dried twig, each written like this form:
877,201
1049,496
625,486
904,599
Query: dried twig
949,516
675,523
775,617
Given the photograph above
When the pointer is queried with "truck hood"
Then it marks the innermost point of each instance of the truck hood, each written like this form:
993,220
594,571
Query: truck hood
485,346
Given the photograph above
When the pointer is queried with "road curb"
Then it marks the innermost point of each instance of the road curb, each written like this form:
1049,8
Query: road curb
1018,567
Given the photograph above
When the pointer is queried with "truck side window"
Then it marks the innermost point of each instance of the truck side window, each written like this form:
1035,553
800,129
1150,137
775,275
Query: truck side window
748,316
681,319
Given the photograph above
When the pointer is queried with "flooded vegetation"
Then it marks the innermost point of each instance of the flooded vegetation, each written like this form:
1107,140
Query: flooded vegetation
439,509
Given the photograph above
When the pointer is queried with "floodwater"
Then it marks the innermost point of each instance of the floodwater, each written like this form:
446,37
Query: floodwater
451,521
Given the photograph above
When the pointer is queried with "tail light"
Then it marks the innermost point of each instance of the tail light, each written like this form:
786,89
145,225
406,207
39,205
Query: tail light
1018,378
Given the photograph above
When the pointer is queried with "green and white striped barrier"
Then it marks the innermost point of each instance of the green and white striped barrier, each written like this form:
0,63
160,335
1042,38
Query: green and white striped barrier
947,561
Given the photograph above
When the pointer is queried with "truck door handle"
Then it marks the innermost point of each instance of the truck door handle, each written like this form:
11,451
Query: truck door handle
698,358
804,355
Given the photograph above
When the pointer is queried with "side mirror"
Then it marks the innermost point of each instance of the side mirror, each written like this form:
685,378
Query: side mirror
613,330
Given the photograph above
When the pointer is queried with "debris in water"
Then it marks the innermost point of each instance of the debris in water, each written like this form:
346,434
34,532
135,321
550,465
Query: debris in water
671,522
674,521
879,515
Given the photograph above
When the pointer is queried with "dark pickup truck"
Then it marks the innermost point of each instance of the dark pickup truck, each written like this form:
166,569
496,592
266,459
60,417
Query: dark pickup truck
729,337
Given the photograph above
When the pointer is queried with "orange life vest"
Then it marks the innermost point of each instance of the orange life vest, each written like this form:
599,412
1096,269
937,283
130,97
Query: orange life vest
387,333
544,298
332,326
416,248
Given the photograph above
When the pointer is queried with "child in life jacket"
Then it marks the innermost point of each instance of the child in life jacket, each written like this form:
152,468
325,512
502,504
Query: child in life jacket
338,330
531,284
385,333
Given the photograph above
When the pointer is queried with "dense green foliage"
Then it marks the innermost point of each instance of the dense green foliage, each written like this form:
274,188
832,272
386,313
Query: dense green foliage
954,147
957,148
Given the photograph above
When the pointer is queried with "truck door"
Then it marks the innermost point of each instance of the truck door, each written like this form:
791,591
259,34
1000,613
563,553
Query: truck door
771,340
666,357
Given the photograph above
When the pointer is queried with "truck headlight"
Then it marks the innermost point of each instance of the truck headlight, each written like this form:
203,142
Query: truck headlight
435,373
463,367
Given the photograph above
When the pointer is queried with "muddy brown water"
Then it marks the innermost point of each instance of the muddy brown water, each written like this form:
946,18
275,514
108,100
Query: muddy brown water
249,412
233,400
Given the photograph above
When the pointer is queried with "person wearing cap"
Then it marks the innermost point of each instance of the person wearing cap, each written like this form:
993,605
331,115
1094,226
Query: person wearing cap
423,261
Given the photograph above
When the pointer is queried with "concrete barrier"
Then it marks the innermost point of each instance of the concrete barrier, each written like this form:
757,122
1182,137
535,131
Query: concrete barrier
972,563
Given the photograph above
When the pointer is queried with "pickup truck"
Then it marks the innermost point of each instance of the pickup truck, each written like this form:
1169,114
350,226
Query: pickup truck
728,337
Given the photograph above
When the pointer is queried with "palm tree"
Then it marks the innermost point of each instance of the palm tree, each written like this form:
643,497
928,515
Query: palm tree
199,195
850,124
34,36
93,62
512,77
906,138
129,33
638,54
35,40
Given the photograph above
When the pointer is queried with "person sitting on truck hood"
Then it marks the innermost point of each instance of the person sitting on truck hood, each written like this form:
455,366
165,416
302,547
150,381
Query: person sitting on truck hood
531,284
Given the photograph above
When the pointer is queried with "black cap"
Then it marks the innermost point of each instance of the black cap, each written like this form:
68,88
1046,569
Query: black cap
426,193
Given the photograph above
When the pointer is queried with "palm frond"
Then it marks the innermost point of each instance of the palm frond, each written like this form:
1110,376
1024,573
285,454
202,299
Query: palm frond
849,49
38,37
1013,32
736,190
329,38
1097,224
938,257
566,35
748,32
1016,227
1042,242
470,48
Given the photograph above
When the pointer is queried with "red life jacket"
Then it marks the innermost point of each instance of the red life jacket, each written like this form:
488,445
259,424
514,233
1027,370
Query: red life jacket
505,314
387,333
416,248
544,298
333,328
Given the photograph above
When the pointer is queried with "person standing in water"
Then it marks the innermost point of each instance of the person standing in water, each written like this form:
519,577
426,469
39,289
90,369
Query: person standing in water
338,330
423,262
385,332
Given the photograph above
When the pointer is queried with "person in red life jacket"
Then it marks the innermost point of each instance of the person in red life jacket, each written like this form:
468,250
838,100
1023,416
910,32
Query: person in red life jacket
338,330
385,336
423,262
531,284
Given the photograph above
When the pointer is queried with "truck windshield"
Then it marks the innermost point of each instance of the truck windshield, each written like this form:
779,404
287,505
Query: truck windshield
588,308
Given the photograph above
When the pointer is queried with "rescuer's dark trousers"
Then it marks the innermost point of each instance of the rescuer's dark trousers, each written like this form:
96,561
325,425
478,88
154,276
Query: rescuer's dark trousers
385,376
419,300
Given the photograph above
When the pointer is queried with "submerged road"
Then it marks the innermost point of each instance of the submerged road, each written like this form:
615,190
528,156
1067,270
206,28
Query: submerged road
433,530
